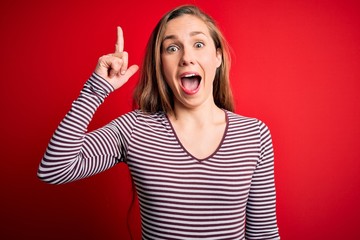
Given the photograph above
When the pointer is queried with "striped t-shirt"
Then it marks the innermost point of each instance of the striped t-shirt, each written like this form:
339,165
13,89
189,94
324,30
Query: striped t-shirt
229,195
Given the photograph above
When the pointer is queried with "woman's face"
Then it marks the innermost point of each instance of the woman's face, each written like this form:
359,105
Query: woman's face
189,60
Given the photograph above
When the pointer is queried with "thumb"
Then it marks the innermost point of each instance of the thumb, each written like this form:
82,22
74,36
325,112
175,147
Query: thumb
131,71
119,80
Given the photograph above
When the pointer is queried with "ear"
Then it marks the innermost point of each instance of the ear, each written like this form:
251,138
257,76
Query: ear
218,57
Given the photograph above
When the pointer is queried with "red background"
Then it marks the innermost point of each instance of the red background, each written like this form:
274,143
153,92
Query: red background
295,66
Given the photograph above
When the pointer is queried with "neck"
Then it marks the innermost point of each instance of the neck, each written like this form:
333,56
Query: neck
199,116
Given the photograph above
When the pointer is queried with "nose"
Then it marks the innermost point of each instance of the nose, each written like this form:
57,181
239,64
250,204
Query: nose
187,57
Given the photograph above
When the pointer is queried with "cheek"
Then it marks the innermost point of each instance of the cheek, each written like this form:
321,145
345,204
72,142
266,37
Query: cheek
211,64
166,70
210,58
166,67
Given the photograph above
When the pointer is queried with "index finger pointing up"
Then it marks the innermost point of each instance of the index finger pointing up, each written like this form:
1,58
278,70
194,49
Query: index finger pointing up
119,46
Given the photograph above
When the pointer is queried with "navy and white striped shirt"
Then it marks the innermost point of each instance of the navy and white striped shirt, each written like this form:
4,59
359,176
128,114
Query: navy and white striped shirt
229,195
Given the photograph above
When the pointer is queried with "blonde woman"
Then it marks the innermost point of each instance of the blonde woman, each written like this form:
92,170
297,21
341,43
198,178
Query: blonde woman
200,170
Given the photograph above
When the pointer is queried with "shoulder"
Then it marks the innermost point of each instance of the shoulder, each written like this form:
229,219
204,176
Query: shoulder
137,116
237,120
136,120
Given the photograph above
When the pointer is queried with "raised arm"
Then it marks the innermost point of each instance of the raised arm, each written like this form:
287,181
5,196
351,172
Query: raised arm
72,152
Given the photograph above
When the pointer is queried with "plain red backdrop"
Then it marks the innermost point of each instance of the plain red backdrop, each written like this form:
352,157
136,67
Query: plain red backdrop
296,66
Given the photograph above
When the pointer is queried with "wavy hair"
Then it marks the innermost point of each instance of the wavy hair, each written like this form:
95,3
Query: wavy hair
152,93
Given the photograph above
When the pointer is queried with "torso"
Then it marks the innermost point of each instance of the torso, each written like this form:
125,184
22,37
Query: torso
183,197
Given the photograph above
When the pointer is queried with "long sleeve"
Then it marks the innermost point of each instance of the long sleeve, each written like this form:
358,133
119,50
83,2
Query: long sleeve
72,153
261,220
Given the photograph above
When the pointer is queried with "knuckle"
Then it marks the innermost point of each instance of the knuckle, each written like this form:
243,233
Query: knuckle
101,58
104,57
118,55
116,64
118,61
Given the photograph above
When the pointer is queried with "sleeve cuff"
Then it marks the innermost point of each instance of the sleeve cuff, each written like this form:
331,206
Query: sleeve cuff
100,83
97,87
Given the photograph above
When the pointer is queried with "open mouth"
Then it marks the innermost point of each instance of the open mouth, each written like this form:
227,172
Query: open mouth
190,82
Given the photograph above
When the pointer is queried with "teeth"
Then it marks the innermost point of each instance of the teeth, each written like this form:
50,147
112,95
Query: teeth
190,75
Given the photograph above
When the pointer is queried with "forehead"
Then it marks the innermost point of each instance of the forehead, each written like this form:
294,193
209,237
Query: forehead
186,24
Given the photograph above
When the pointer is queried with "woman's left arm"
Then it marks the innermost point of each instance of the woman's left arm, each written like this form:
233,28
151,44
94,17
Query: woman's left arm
261,220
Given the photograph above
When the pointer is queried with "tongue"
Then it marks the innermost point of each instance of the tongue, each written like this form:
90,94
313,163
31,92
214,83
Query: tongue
190,83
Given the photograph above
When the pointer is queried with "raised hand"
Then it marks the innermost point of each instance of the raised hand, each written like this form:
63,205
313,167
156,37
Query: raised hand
114,67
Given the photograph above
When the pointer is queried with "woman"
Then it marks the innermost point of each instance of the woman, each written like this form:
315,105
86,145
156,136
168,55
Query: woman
200,170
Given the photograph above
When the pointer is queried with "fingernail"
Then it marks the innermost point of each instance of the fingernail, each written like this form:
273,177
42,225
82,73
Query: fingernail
123,72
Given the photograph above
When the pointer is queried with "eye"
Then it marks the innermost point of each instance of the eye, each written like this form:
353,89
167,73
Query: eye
199,45
172,49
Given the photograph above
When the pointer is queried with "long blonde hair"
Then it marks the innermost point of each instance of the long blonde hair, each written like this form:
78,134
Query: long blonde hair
152,94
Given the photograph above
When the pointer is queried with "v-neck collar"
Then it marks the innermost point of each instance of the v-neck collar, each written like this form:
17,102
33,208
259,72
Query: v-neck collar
215,151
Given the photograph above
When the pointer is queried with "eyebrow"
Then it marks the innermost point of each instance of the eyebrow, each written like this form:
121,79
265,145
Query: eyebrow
191,34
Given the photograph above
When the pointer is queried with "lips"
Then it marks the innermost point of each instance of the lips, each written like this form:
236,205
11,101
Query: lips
190,82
